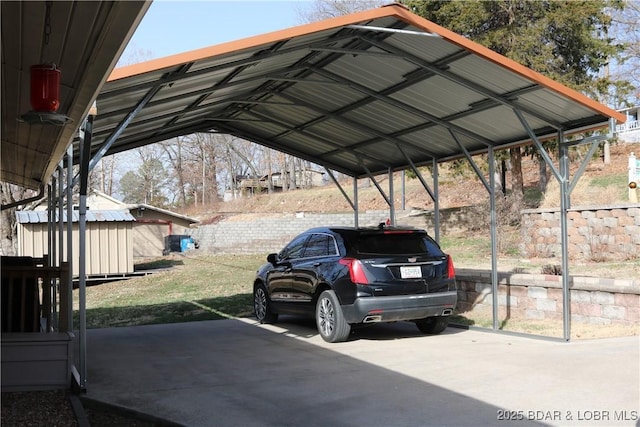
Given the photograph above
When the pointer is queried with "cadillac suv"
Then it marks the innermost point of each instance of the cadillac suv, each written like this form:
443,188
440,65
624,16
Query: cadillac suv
345,276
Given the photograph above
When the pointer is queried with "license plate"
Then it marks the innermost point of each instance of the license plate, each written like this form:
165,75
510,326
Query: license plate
410,272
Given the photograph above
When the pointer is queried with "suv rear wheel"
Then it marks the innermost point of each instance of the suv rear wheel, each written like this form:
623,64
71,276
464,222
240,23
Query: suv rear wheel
433,325
329,318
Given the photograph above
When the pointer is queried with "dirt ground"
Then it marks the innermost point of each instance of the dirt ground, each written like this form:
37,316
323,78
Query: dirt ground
455,190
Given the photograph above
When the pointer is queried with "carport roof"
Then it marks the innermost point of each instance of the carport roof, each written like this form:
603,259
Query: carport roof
359,94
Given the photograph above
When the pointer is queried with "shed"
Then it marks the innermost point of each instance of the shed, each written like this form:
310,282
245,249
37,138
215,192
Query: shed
151,224
109,239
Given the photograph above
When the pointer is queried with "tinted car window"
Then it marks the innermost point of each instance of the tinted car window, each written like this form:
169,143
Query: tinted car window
320,245
294,249
397,244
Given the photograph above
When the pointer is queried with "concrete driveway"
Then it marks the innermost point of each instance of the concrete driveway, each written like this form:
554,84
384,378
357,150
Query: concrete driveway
239,373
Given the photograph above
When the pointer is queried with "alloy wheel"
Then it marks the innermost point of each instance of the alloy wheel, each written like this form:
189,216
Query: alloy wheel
327,317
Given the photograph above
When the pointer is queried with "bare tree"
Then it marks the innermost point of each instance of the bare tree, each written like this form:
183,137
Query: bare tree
324,9
625,29
10,193
102,177
174,151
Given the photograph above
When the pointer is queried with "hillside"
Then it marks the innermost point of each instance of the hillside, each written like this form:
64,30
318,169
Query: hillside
600,184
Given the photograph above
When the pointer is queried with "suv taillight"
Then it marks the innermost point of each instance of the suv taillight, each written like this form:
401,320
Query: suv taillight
451,271
356,272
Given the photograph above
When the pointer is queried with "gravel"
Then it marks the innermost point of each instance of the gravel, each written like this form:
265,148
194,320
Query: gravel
59,408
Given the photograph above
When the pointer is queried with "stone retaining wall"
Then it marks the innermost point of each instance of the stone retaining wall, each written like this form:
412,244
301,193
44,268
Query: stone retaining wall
595,233
539,296
255,234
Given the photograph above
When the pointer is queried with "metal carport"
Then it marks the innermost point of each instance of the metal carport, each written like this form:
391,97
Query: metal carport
364,94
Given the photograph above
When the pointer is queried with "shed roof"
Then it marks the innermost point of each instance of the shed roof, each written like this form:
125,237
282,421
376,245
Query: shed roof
39,217
188,221
359,94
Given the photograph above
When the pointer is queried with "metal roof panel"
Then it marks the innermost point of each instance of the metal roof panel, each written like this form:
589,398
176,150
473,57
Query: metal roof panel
39,217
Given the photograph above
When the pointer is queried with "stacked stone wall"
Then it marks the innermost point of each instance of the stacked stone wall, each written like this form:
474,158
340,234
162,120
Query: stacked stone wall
255,234
594,233
540,297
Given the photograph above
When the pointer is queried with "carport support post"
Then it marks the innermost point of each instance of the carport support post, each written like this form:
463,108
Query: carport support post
392,206
564,205
436,202
355,201
70,236
494,237
85,147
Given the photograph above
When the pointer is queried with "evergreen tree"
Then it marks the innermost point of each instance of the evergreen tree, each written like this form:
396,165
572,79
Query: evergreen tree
566,41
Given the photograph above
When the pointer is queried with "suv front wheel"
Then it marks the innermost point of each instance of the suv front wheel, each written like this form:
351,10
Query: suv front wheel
261,305
329,318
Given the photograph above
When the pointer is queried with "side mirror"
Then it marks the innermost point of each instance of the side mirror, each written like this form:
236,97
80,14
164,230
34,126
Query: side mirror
272,258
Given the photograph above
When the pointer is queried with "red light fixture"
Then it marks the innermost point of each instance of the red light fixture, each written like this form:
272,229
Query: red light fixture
45,88
45,97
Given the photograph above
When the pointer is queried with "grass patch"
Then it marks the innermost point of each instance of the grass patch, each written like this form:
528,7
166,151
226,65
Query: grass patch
194,288
463,247
619,180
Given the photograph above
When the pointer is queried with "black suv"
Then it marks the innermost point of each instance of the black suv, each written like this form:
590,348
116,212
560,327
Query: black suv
355,276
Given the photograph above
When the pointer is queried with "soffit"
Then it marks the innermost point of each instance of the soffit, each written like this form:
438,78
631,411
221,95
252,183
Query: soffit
85,41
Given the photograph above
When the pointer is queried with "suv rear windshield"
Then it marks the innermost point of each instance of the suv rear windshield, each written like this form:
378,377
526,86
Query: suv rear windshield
397,244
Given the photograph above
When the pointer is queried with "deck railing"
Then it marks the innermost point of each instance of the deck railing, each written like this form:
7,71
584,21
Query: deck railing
34,295
629,126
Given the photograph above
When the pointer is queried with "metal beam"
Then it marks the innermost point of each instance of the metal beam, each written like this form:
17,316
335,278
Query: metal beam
392,202
538,144
459,80
473,164
494,237
436,201
563,178
393,30
405,107
85,148
380,190
344,194
69,193
564,205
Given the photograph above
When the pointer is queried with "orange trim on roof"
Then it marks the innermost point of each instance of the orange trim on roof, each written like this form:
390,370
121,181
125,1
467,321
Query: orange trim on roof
393,10
514,66
246,43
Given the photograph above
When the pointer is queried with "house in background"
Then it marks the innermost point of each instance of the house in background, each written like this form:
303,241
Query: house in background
629,131
306,178
118,234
